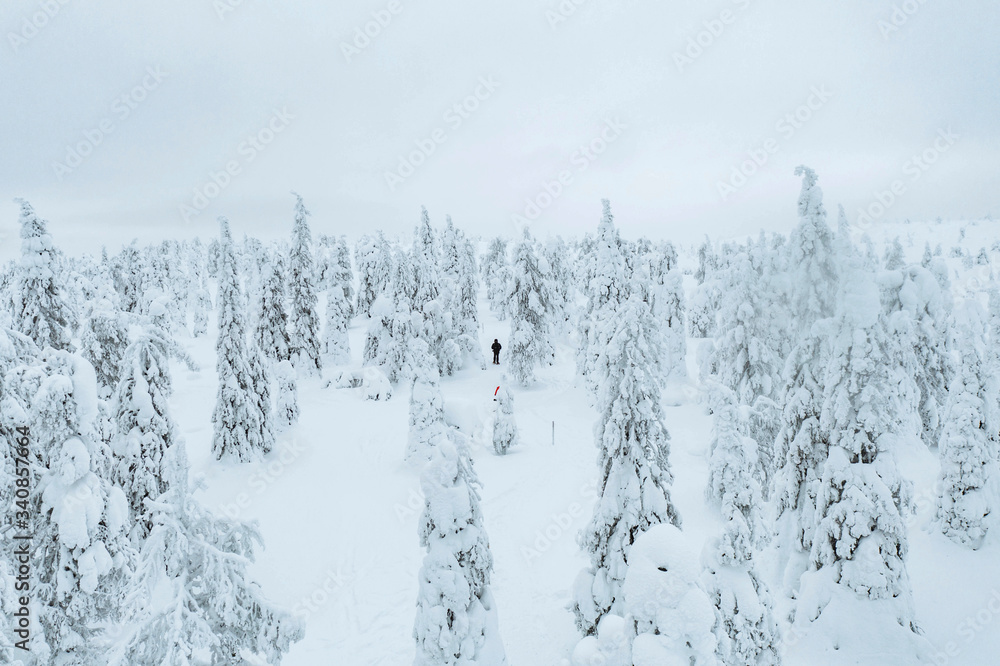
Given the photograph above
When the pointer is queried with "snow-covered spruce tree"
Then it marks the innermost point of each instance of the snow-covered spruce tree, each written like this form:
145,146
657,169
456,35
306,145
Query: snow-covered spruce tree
529,309
465,302
103,342
496,275
915,291
251,259
80,551
667,305
801,448
733,582
342,272
560,278
391,327
424,243
426,403
271,334
504,426
127,275
304,320
262,420
666,618
733,479
287,399
456,622
374,262
434,324
237,423
389,333
336,345
192,600
859,545
894,258
157,325
607,289
144,431
201,306
705,300
40,309
451,242
424,264
746,358
633,446
706,260
969,438
812,260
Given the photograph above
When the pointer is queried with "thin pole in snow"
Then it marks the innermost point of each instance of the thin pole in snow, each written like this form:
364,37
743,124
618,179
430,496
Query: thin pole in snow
553,433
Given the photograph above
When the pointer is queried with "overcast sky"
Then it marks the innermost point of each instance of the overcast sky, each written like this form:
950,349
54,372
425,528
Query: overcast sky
117,111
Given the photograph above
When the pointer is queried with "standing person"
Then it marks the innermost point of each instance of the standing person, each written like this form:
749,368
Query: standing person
496,351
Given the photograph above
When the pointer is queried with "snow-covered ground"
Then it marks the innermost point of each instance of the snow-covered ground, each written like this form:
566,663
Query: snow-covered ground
339,508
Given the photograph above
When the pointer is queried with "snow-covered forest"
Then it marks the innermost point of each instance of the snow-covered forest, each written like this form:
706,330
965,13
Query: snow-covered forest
781,449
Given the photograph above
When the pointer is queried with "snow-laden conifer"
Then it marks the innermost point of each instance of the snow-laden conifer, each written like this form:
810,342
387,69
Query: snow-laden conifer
456,622
303,319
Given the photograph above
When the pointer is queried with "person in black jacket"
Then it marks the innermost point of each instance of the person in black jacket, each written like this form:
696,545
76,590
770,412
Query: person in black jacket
496,351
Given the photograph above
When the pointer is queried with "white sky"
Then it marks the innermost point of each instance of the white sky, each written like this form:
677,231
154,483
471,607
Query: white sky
684,131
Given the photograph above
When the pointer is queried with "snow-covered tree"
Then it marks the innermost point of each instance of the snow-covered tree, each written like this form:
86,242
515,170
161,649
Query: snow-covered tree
287,399
560,279
426,403
801,448
733,581
607,289
734,481
504,426
915,291
271,334
424,264
450,249
127,276
496,275
41,310
374,264
103,342
456,622
465,305
529,309
667,305
304,320
388,335
145,431
391,328
238,424
747,359
969,439
201,306
435,324
336,345
80,554
192,599
894,258
859,547
262,418
812,259
634,446
665,616
340,275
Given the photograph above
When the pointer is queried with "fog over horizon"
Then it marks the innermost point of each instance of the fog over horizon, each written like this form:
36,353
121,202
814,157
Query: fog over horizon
689,116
